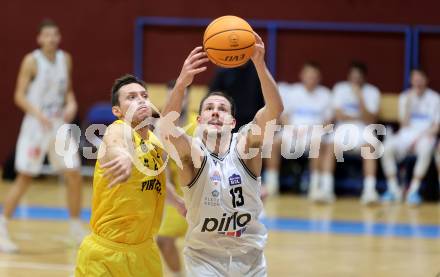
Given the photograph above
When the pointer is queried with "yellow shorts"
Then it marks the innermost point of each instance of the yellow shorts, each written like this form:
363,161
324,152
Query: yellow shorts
173,224
98,256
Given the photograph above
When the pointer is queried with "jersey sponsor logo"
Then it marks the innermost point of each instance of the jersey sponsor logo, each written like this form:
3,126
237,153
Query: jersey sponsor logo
216,178
152,184
420,116
234,179
351,107
212,201
215,193
233,225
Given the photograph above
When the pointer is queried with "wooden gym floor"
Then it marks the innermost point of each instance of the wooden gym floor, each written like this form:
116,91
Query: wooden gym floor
343,239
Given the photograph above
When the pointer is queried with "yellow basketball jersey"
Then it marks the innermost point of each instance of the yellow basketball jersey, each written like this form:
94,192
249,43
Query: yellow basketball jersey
131,212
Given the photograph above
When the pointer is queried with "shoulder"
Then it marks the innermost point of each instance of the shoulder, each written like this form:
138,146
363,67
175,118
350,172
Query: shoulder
116,130
433,93
322,90
369,88
283,86
29,59
67,57
341,86
29,65
403,94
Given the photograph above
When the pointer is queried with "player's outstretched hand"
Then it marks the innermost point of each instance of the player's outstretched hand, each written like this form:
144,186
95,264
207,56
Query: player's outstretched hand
117,170
192,66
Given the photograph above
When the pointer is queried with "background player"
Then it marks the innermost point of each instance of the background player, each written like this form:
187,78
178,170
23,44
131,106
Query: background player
419,118
222,186
44,93
356,102
174,224
306,104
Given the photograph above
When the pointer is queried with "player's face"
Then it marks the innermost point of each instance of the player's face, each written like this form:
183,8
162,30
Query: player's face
49,38
310,77
216,113
356,76
418,80
134,104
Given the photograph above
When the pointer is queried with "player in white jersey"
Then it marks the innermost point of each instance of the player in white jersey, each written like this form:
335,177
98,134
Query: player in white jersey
44,93
356,105
307,107
437,161
419,116
220,172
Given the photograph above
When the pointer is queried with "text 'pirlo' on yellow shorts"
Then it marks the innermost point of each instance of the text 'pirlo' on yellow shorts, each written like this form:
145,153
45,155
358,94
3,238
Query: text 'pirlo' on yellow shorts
98,256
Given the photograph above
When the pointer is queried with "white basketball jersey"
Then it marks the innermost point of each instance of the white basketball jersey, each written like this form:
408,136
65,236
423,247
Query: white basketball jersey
224,204
304,107
48,89
424,109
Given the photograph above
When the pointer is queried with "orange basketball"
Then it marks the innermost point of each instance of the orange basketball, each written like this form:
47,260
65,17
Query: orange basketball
229,41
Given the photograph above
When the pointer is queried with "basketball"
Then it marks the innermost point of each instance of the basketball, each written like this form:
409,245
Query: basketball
229,41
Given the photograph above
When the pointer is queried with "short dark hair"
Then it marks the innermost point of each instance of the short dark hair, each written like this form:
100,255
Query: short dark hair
47,22
222,94
120,82
419,70
311,64
361,66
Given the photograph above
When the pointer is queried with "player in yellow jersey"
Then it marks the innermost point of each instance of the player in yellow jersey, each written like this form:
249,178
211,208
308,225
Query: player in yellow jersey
128,192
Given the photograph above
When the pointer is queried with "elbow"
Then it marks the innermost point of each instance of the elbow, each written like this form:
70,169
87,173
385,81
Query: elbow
17,101
279,109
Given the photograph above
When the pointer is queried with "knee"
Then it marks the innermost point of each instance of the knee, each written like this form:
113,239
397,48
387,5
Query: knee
425,146
23,179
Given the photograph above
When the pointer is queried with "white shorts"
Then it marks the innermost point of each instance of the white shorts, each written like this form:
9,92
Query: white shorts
353,136
34,143
300,140
408,140
205,263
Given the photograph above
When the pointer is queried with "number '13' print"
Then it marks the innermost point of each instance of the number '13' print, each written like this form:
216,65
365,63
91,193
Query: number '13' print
237,197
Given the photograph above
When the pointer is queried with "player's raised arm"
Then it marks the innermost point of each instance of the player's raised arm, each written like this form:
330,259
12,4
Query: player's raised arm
175,141
273,105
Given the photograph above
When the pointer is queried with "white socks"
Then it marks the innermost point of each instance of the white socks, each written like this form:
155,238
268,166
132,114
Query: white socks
77,230
414,187
314,181
272,181
3,226
327,182
393,184
370,183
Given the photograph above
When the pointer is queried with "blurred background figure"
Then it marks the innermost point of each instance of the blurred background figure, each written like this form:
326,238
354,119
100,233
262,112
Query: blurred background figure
174,224
44,93
419,115
306,104
356,105
437,162
242,84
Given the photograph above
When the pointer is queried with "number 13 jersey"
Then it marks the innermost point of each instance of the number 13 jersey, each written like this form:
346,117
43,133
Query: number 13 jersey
224,205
